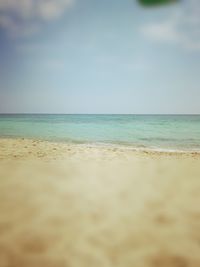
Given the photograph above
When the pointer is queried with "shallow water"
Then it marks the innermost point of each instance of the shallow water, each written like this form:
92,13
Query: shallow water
171,132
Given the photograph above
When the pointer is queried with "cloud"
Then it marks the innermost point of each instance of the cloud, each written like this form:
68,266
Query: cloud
25,17
181,28
17,29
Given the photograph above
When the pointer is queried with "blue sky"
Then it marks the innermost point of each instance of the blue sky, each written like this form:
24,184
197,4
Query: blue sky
91,56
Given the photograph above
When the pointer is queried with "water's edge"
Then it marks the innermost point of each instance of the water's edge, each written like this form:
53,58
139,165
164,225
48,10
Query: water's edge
103,145
139,132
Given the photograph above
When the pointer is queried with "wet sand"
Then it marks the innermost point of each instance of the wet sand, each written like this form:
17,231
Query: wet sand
27,149
67,205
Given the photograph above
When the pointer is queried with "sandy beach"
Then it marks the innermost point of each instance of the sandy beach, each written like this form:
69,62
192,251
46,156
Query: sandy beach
73,205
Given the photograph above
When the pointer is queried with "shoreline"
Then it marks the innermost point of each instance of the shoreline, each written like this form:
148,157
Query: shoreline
107,145
25,148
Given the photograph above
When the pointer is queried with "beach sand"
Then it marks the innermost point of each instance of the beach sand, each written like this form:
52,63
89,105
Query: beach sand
68,205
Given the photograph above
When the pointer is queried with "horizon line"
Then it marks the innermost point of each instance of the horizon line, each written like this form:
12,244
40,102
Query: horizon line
146,114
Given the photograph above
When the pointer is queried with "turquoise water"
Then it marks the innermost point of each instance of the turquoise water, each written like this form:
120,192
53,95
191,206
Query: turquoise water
140,131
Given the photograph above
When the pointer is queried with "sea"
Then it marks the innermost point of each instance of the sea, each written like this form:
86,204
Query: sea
156,132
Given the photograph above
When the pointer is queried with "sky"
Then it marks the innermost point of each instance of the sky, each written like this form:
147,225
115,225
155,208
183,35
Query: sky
91,56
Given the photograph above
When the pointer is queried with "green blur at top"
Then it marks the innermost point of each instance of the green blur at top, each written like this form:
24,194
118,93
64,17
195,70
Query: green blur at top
156,2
